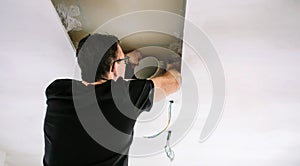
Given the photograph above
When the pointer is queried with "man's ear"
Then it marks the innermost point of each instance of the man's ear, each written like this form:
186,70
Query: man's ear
114,69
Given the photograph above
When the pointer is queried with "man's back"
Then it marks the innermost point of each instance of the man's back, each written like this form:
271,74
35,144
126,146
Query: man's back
66,140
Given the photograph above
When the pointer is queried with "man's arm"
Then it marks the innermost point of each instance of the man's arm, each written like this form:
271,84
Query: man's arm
166,84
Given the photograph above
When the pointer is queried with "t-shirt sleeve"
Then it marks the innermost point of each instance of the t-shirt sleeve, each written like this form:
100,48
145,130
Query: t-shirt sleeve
141,94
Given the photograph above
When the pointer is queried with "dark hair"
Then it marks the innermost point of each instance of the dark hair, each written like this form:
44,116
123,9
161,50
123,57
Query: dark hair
95,54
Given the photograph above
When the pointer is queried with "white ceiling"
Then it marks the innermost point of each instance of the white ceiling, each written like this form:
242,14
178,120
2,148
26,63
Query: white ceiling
258,42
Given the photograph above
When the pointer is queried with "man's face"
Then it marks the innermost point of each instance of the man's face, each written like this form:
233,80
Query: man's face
120,66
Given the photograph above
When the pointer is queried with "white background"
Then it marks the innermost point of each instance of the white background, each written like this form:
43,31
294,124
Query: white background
258,42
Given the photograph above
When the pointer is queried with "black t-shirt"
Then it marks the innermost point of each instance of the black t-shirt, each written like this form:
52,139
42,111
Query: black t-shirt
67,142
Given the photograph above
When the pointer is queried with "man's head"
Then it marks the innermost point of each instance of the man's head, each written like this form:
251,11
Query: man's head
99,58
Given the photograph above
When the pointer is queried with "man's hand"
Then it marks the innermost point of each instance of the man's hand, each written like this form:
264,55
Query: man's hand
175,66
167,83
134,57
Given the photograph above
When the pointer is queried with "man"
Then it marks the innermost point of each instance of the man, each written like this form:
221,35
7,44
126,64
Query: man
73,133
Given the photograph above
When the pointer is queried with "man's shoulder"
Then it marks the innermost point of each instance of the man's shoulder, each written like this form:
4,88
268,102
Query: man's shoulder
141,83
60,86
59,83
141,93
134,85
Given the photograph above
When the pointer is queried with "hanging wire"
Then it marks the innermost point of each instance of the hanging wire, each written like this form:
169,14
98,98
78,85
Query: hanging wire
169,152
168,124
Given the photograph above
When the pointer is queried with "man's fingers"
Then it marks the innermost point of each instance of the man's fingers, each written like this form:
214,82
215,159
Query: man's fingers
135,57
